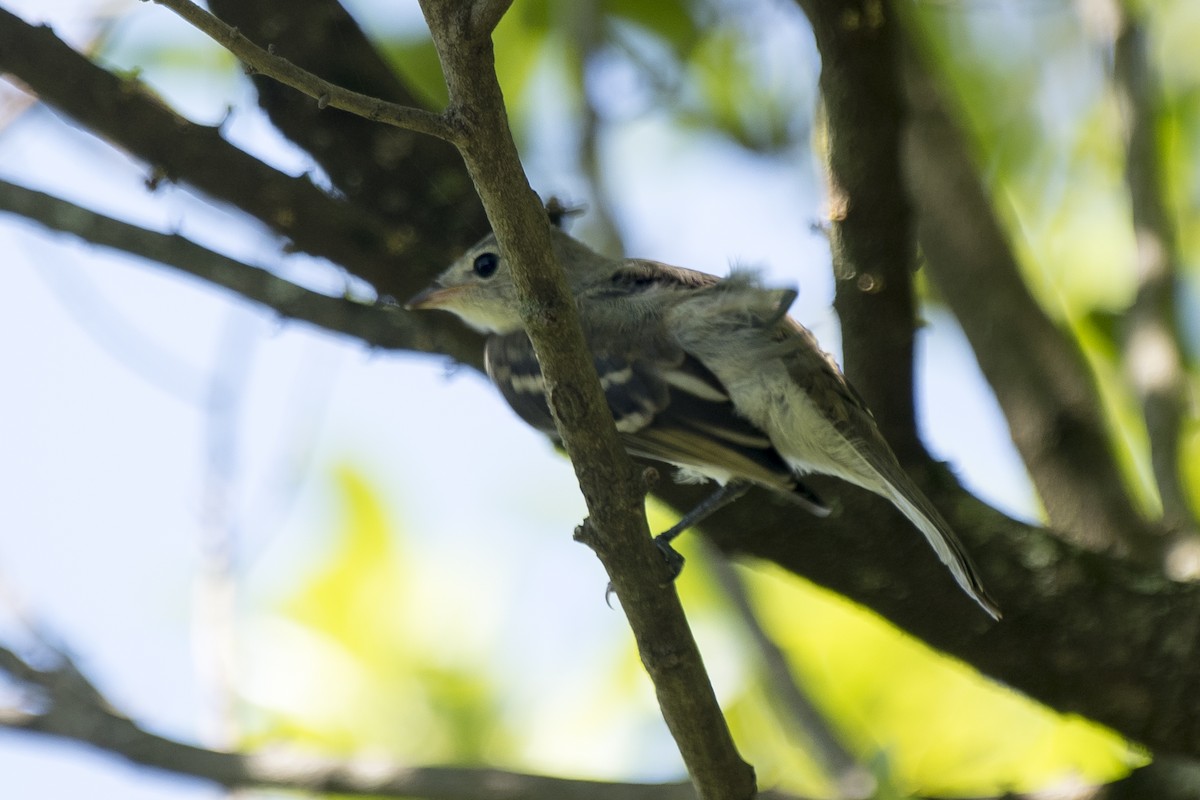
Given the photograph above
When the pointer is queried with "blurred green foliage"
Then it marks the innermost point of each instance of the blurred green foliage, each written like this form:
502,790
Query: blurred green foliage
388,669
1034,90
380,674
937,725
710,70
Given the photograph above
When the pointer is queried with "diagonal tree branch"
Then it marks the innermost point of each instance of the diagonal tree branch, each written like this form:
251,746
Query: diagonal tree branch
374,324
1040,377
617,529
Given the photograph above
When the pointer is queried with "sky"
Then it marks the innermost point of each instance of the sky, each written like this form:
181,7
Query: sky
146,411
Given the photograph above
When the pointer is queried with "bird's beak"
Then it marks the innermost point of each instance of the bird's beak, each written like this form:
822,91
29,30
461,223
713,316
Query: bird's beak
433,297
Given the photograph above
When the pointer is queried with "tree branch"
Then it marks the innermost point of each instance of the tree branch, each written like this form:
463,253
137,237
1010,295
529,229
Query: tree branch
325,93
871,233
70,707
123,111
1037,371
1153,356
376,325
416,183
617,528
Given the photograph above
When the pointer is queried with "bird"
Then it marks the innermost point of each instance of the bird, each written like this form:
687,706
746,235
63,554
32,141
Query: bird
707,374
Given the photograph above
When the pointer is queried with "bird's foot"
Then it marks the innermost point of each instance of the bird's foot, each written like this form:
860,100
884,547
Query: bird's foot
672,557
670,554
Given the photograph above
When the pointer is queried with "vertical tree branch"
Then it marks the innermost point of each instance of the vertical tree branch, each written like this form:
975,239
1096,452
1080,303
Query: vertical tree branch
611,486
871,233
1153,356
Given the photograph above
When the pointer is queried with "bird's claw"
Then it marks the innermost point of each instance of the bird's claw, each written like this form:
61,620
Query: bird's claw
671,556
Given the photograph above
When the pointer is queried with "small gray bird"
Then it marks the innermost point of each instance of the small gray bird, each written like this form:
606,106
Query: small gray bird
707,374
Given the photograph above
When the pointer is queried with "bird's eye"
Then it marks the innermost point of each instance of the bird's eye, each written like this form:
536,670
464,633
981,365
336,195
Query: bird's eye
485,264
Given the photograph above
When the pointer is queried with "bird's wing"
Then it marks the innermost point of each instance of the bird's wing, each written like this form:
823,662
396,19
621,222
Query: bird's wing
701,421
736,312
819,376
512,365
635,276
667,405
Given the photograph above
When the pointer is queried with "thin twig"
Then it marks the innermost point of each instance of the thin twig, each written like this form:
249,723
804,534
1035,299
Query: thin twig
327,94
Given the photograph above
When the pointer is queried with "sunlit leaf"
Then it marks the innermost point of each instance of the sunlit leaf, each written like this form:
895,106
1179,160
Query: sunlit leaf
941,728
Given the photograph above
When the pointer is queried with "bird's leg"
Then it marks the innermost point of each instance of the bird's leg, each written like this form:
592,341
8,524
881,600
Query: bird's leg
722,497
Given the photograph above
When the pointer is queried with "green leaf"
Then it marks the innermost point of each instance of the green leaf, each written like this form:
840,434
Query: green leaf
671,21
375,673
941,727
417,62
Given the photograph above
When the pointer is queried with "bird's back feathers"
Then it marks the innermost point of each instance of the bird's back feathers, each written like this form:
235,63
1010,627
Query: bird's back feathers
783,383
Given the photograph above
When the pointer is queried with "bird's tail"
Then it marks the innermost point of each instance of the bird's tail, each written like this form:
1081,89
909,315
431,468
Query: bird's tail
913,503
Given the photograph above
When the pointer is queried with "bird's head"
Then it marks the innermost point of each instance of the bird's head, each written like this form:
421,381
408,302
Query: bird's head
478,287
